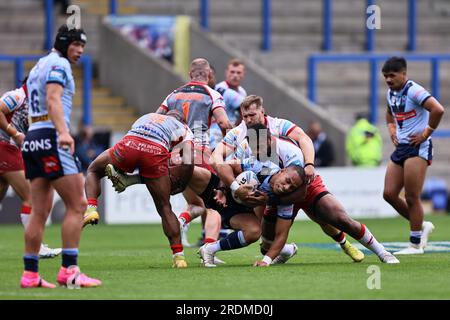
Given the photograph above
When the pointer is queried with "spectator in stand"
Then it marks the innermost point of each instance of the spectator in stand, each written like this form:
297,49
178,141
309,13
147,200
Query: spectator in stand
86,146
364,144
323,147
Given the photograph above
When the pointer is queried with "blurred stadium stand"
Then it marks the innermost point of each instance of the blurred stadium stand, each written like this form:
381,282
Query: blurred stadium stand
296,34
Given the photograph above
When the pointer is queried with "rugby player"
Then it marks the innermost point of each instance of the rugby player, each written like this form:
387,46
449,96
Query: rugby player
412,115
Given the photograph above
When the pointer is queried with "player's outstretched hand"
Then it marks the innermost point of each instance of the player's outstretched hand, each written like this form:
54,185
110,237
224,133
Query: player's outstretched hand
260,263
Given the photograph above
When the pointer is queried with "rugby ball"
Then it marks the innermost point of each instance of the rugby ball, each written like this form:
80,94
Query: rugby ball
246,177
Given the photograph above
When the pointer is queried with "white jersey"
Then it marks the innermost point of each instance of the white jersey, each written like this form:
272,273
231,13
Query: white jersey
236,136
161,129
16,102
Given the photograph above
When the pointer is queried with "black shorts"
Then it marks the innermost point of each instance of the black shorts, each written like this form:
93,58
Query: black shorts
406,151
230,210
43,158
233,208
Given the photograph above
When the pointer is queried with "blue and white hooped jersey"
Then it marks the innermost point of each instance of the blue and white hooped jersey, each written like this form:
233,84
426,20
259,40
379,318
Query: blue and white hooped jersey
407,108
50,69
288,155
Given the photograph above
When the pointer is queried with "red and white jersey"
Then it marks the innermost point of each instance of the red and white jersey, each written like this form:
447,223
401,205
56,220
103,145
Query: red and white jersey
16,102
161,129
197,101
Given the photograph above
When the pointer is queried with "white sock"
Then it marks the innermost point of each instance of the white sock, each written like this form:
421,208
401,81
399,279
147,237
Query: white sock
178,254
288,250
24,217
214,246
369,241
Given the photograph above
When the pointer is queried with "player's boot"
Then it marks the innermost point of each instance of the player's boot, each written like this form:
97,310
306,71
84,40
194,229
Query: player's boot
412,249
45,252
352,251
33,280
72,277
206,256
179,261
118,179
388,258
427,228
90,216
283,258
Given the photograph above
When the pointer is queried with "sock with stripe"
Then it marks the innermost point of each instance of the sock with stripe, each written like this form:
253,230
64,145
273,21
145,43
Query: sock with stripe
25,212
176,249
340,238
367,239
92,203
185,216
414,237
234,240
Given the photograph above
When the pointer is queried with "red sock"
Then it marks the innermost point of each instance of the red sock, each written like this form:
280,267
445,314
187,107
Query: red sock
26,209
361,233
25,214
186,216
176,248
92,202
340,237
210,240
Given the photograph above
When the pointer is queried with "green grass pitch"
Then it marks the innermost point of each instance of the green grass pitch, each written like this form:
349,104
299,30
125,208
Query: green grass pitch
134,262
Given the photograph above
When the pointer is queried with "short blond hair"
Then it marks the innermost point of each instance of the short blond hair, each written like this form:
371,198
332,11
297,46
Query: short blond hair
250,100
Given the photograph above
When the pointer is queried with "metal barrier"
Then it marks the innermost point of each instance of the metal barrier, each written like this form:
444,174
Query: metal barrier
327,30
266,44
373,60
204,14
85,60
49,24
113,7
